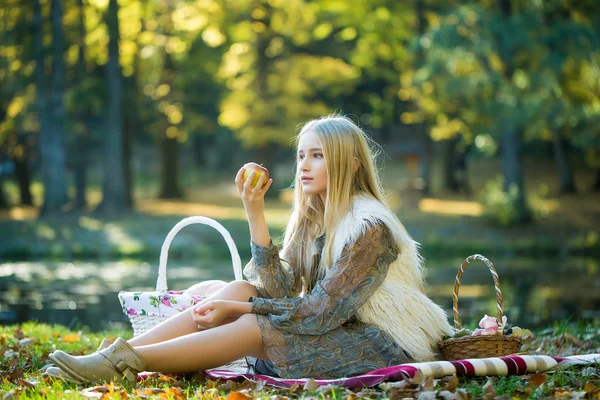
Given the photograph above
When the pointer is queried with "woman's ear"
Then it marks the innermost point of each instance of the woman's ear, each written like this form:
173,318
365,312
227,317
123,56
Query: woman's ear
356,164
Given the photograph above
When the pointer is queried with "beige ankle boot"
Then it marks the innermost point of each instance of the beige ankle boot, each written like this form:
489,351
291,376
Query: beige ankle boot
51,370
120,361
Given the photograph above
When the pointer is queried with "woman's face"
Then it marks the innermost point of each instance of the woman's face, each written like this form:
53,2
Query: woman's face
312,171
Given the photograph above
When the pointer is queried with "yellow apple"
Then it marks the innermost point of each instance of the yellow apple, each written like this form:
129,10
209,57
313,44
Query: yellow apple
258,169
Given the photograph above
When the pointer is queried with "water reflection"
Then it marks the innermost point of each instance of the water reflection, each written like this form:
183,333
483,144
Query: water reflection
536,291
85,294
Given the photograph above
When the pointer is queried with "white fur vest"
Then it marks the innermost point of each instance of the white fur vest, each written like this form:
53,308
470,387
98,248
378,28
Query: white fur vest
399,306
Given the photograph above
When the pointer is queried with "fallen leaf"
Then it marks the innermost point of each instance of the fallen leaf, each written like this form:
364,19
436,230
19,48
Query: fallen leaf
537,380
447,395
570,338
418,378
452,384
92,393
400,393
429,395
17,373
207,394
12,395
489,392
462,394
591,388
31,384
176,393
562,394
311,385
233,395
71,338
429,384
294,388
19,333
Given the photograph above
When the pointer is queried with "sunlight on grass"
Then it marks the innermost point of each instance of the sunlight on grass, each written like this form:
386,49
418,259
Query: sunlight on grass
20,213
125,243
91,224
437,206
46,232
465,290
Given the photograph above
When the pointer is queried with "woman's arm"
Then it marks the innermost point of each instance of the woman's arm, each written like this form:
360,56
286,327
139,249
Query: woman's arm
348,284
253,198
272,277
265,270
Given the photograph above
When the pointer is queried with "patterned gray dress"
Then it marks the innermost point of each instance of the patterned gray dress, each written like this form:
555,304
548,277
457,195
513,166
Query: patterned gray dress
317,335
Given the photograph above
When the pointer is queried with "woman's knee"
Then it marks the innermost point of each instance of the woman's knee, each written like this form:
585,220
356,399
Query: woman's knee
243,288
206,288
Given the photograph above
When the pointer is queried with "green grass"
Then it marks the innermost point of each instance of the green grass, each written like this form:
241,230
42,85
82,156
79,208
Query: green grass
24,349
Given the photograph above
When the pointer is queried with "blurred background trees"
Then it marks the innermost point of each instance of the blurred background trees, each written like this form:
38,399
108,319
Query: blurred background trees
89,87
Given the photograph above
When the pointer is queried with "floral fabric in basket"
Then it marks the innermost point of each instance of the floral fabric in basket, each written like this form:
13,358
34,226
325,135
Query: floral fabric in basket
157,304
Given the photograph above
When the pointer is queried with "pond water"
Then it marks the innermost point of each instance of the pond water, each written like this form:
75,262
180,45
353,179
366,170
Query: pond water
535,291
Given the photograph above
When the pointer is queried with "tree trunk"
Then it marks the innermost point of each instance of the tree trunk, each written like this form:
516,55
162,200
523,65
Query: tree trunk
52,113
425,160
596,187
169,148
81,148
80,161
3,201
512,157
169,151
427,143
22,172
512,166
114,199
565,172
128,135
449,165
462,173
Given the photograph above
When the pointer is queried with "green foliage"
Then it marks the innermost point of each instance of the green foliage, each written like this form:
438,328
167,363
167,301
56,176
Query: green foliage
250,72
499,204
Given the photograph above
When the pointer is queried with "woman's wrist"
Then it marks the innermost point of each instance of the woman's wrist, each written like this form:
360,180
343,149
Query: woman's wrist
239,308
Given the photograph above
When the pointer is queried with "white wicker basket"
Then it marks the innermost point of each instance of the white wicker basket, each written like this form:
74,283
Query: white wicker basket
147,309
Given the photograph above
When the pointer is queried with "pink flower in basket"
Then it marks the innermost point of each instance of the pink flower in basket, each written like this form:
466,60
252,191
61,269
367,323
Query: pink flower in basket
489,326
165,300
131,311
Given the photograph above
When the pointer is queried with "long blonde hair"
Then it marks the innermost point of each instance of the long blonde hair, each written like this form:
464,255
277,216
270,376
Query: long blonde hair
343,144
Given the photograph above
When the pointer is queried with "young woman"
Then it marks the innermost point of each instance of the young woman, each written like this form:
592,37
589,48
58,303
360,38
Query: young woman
344,296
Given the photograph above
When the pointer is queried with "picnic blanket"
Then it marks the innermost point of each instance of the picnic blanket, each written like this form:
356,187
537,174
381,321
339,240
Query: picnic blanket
496,366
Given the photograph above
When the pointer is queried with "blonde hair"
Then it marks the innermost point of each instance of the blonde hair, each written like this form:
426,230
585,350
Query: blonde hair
343,142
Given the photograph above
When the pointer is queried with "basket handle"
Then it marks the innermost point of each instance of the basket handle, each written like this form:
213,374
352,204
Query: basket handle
496,286
161,283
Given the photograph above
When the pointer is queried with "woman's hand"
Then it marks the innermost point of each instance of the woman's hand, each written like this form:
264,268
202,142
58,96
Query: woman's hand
252,197
211,314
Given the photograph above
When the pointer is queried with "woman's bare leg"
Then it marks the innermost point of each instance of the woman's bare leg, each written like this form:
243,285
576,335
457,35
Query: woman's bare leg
183,324
206,349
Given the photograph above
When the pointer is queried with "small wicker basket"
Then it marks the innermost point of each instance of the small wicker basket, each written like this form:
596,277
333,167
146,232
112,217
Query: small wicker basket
484,345
147,309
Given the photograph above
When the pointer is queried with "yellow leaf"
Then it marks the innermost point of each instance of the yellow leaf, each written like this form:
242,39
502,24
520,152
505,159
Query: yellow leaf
71,338
233,395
